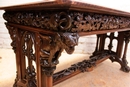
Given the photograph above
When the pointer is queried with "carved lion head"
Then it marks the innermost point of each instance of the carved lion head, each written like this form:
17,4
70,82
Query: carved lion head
70,40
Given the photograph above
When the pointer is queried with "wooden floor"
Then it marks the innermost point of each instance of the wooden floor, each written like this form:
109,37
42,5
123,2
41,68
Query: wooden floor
106,74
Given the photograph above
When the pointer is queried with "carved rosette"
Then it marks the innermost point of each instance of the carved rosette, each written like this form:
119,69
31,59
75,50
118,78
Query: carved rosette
51,48
68,20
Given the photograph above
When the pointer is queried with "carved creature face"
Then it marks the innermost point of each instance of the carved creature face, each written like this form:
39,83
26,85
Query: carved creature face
70,40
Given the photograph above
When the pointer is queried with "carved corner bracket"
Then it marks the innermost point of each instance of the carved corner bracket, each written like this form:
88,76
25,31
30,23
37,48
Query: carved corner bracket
13,35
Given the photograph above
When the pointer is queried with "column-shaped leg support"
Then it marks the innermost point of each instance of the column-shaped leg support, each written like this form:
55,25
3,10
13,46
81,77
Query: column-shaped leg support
125,67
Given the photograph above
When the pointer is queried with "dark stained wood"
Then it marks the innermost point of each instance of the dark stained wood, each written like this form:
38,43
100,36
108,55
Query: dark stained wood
102,32
68,21
41,31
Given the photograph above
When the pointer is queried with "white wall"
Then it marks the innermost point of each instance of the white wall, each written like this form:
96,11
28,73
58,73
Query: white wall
4,36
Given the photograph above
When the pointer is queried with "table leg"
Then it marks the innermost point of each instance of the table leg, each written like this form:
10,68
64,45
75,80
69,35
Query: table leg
122,38
20,61
44,48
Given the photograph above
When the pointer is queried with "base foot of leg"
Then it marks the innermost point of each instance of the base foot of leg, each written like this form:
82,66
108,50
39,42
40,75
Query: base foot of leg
14,85
122,62
125,69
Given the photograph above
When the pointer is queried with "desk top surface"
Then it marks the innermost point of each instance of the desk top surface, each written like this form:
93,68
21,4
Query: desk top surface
65,4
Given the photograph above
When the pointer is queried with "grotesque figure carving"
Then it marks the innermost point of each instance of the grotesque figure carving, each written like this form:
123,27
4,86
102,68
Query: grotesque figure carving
52,47
69,40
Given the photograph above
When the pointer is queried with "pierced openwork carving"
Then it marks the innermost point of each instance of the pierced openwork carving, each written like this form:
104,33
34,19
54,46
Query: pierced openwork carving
68,20
52,47
27,44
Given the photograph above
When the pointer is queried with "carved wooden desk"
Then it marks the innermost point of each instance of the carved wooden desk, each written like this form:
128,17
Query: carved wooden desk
41,31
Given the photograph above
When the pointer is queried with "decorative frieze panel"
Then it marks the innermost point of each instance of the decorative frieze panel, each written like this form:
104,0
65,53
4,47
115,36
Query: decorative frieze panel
68,20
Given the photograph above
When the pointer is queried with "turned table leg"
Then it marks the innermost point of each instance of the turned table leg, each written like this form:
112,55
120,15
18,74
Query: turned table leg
46,80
